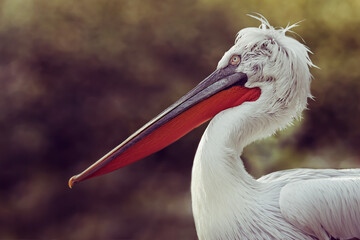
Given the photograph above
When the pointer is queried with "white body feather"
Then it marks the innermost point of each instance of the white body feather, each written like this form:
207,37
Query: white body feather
228,203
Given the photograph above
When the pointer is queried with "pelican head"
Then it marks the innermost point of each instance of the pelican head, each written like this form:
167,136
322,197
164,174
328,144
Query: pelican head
264,67
275,63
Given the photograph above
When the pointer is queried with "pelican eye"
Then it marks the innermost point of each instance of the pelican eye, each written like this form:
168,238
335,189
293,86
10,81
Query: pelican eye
235,60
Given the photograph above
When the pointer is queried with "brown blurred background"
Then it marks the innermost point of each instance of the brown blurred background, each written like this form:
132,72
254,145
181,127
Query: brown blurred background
78,77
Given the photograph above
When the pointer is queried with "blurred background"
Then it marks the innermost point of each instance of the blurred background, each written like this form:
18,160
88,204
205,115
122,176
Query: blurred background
78,77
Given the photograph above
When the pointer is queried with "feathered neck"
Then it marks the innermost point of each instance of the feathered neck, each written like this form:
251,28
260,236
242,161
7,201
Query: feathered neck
220,182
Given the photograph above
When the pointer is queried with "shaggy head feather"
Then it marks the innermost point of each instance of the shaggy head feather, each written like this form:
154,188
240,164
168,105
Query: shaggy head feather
276,63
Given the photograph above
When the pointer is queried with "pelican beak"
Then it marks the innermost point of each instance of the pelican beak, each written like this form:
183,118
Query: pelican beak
223,89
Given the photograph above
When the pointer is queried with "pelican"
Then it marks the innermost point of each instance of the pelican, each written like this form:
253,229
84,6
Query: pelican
260,86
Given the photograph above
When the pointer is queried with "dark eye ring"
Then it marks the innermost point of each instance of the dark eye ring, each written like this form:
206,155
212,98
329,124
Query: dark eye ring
235,60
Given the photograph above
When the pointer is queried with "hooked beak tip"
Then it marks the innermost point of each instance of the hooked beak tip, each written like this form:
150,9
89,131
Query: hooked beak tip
72,181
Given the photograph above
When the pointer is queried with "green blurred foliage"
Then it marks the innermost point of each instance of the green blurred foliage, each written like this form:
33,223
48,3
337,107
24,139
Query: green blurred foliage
78,77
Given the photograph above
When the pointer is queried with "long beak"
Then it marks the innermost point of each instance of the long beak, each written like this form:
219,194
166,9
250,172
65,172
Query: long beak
223,89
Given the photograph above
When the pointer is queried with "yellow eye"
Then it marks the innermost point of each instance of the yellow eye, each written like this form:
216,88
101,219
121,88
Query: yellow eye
235,60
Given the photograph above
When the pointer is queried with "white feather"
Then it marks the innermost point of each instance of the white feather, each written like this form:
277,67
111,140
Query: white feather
324,207
228,203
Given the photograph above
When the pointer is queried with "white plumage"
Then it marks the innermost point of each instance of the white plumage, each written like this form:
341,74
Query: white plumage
228,203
